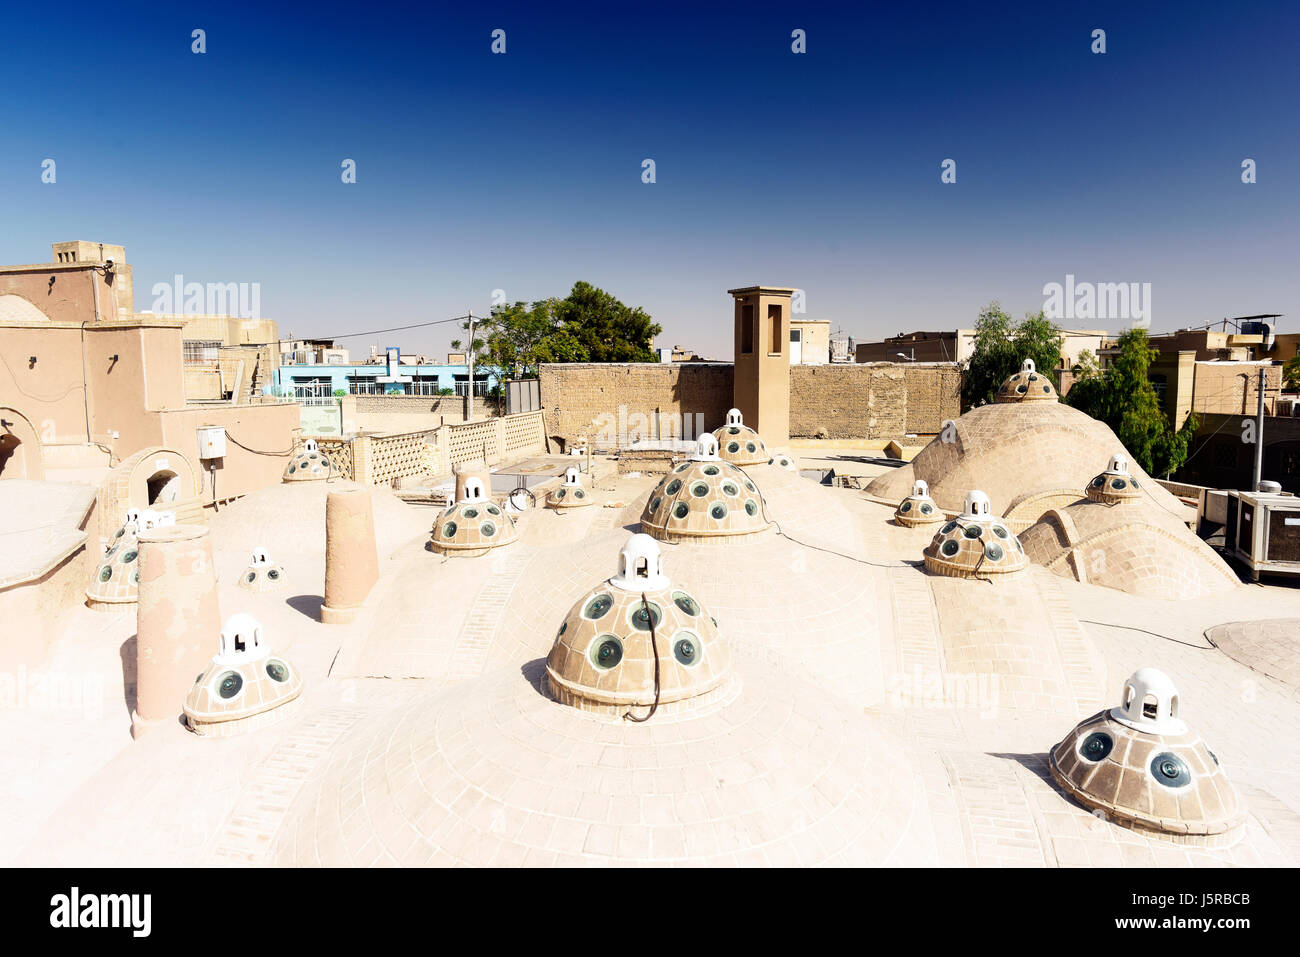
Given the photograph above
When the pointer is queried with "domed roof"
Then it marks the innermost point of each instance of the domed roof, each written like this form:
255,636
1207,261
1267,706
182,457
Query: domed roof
1013,451
262,575
307,464
1114,485
571,493
1140,765
1025,385
975,543
918,508
702,498
565,764
784,460
116,578
472,525
242,684
635,641
1131,544
738,443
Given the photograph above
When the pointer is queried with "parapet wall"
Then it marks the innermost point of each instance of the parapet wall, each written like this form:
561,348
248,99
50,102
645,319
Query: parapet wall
834,401
872,400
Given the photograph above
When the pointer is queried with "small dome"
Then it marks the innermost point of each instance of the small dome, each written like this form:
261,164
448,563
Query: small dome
262,575
918,508
1026,384
571,493
784,460
243,683
1115,485
307,464
115,580
635,642
975,543
738,443
1140,765
473,525
702,498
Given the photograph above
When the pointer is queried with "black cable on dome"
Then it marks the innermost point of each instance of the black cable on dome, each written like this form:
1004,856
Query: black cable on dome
654,649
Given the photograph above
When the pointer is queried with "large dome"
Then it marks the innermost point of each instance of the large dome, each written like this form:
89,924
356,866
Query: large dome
1028,457
1130,545
754,767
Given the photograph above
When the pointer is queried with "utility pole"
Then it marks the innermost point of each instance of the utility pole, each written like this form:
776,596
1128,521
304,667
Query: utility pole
469,388
1259,434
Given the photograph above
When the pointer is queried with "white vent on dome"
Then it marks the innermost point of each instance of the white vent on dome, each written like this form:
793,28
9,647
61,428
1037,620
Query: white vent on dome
1150,704
977,505
1027,365
571,476
735,418
920,489
1118,464
473,490
706,449
241,640
640,565
260,556
309,445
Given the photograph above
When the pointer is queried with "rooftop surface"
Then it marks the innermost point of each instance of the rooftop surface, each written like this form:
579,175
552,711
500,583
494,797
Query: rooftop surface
879,714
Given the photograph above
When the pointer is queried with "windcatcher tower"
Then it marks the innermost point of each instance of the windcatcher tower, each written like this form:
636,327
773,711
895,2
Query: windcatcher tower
762,377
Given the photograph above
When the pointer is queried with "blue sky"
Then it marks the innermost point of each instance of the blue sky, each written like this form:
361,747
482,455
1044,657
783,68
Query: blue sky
523,172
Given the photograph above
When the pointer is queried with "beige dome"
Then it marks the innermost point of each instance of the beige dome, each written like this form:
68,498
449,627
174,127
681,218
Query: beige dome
974,544
918,508
704,498
1115,484
115,581
548,768
472,527
1141,766
262,574
244,683
1130,544
1026,385
571,493
738,443
307,464
1019,453
604,656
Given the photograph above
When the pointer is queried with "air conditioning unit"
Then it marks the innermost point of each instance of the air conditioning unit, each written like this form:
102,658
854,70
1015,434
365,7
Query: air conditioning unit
1263,531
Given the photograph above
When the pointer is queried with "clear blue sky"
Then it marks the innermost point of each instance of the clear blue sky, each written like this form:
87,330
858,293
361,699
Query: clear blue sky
523,171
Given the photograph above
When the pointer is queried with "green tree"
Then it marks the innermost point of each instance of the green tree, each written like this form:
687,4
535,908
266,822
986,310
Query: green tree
588,325
1002,345
606,329
1291,373
1124,399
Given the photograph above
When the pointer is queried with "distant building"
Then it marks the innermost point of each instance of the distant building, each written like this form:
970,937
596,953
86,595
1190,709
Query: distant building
810,341
93,392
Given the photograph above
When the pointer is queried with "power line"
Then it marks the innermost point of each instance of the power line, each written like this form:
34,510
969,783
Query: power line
375,332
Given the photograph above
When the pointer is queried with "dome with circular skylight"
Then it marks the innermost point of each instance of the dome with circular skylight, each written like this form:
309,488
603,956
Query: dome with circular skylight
704,498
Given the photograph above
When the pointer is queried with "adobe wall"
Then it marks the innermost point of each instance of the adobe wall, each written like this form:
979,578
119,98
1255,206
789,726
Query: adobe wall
872,400
583,398
848,401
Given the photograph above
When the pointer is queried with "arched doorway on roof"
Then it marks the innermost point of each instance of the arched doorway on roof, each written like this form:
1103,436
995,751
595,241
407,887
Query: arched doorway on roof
20,447
163,487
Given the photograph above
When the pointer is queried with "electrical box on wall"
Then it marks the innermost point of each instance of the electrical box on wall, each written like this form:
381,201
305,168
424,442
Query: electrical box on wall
212,442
